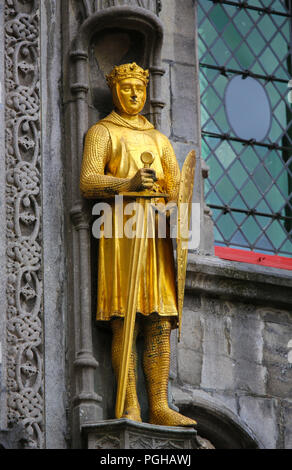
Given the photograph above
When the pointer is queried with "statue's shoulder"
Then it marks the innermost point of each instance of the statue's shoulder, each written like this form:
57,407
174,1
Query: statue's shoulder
98,129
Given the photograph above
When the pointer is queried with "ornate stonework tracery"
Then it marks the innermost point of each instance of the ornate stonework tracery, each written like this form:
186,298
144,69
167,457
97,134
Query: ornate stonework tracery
23,203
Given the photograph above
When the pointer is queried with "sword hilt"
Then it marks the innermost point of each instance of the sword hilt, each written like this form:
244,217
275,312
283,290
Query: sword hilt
147,158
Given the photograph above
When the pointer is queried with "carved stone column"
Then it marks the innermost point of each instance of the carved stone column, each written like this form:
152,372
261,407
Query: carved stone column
24,287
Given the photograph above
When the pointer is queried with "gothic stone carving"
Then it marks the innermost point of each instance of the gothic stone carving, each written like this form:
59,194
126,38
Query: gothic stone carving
125,434
23,202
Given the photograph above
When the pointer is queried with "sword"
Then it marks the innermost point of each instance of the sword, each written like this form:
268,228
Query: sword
138,250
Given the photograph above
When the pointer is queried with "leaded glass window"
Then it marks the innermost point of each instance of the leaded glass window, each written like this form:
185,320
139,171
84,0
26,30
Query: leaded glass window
245,67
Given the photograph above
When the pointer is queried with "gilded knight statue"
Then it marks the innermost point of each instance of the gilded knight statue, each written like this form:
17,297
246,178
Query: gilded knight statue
112,165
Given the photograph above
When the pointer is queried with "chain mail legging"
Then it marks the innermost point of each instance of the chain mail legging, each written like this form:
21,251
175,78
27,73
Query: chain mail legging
156,362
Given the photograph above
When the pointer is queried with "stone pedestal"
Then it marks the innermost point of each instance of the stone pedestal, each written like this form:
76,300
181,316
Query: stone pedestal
126,434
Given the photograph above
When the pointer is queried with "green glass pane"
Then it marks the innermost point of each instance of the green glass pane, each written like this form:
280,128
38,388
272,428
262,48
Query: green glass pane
219,18
251,229
207,32
275,132
233,63
258,3
274,163
202,48
287,247
245,56
204,115
279,45
226,189
221,120
265,244
279,5
283,183
269,61
220,85
274,199
238,203
250,159
282,71
281,87
208,186
212,142
255,3
281,22
211,126
203,83
238,174
232,37
201,14
258,68
239,240
256,41
204,6
263,207
229,10
218,237
221,52
208,59
237,147
209,74
242,21
211,101
254,16
238,217
225,154
205,149
264,222
267,27
245,45
262,179
280,113
216,170
273,93
213,198
261,152
277,234
251,194
226,225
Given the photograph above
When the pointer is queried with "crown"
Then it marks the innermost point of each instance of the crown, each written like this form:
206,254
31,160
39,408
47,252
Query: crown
121,72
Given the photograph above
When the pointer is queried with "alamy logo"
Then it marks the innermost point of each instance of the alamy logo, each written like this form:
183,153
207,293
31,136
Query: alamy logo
290,91
135,220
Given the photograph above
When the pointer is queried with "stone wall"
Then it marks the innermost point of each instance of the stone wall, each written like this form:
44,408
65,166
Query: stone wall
234,350
31,235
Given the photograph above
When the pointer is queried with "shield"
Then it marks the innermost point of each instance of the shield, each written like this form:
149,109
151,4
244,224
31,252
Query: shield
184,216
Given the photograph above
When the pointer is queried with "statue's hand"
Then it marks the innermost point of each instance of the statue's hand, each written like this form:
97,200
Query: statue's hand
143,179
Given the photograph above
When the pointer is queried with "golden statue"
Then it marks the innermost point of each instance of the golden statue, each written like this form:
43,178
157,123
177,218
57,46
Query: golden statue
112,165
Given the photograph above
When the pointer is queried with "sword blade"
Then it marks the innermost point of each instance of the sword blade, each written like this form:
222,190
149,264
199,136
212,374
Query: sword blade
139,246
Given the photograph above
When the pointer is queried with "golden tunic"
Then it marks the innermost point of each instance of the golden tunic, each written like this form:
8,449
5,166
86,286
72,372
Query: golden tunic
111,157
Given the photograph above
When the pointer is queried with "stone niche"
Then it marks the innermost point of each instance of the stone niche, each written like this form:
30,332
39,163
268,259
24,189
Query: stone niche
87,8
110,47
106,34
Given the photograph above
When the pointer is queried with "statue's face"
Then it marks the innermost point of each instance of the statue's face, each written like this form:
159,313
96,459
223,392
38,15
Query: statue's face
130,96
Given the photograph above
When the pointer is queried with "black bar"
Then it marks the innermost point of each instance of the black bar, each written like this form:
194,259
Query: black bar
246,6
250,212
251,142
244,73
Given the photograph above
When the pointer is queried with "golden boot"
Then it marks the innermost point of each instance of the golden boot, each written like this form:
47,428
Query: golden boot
132,408
156,362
